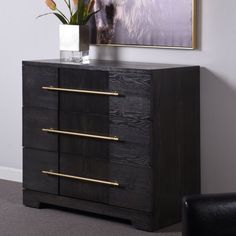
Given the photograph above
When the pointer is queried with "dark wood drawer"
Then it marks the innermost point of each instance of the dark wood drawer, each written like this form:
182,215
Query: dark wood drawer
34,78
133,146
125,83
127,106
133,89
134,188
134,182
126,129
121,152
34,119
34,162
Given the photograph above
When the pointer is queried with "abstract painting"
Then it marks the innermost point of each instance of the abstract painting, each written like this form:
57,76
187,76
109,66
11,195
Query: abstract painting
151,23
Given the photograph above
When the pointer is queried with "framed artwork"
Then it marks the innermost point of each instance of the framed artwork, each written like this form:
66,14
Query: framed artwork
145,23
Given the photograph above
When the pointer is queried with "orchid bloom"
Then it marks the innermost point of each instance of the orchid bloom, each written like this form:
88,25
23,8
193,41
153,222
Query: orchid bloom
79,16
51,4
76,2
91,5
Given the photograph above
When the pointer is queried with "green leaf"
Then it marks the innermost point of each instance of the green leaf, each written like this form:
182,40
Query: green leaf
80,13
43,15
68,4
60,17
90,15
73,20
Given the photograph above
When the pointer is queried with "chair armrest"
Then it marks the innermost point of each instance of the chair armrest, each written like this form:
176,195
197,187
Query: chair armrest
209,215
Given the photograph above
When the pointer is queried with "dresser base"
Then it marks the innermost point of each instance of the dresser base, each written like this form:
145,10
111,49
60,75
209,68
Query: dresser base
140,220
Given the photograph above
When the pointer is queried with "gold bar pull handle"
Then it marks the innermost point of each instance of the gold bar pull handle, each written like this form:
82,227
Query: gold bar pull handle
115,184
114,138
81,91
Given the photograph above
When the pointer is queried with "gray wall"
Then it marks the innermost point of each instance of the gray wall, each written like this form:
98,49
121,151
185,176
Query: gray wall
23,37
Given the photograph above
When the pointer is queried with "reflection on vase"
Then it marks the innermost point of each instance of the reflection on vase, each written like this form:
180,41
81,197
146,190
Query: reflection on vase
74,43
81,57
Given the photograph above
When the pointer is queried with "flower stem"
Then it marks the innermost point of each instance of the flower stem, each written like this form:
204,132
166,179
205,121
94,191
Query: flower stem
63,15
69,6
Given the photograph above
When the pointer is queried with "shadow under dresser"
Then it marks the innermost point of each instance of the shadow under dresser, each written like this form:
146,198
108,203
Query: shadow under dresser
115,138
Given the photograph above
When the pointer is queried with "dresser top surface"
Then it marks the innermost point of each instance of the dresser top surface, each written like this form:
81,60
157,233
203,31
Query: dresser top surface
104,65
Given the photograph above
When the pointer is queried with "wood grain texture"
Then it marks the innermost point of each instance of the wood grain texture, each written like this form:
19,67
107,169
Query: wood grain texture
104,65
132,132
135,83
131,106
156,117
135,182
34,120
34,78
133,88
128,130
121,152
141,220
177,137
34,162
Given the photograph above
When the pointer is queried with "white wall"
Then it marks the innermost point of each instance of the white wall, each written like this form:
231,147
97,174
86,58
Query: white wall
23,37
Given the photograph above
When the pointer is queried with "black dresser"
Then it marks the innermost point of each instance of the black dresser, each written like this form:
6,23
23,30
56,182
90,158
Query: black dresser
112,138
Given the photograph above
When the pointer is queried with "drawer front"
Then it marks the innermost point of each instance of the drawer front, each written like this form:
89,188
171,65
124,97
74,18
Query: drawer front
105,105
133,148
34,78
34,120
125,83
133,90
120,152
132,189
133,136
125,129
34,162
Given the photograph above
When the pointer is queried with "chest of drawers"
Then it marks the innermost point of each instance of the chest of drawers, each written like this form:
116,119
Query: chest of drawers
113,138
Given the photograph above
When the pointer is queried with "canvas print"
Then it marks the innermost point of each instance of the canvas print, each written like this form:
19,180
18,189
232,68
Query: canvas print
166,23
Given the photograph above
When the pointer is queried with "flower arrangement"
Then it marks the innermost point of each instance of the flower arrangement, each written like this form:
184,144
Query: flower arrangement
80,11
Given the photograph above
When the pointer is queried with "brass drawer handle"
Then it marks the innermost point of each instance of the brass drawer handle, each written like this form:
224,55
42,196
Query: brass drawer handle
81,134
82,178
81,91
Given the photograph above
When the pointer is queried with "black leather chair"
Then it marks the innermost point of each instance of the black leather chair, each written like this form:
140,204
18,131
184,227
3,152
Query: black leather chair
209,215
